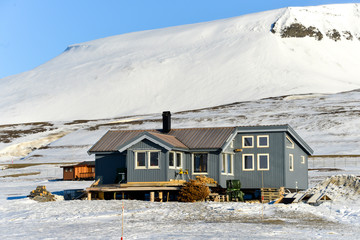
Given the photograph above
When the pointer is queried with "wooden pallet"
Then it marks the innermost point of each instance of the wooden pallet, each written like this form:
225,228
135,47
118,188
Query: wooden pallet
271,194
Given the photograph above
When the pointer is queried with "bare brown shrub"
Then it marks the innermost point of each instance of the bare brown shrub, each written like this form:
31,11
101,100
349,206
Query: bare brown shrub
194,191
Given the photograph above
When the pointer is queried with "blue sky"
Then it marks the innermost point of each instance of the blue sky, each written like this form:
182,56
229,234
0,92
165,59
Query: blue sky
34,31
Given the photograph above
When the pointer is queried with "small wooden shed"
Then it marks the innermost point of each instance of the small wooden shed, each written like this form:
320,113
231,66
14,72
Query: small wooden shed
82,171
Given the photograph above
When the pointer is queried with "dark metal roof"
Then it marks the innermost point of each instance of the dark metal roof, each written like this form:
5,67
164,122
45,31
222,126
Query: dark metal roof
112,139
203,138
188,138
172,140
193,138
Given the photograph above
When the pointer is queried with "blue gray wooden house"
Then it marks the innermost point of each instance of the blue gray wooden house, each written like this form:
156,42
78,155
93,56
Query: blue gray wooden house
259,156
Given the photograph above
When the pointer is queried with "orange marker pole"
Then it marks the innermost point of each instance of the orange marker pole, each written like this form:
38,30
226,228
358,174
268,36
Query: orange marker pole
122,226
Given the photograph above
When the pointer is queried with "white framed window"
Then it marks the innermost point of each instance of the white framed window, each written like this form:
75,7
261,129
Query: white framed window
147,159
263,141
153,158
140,160
303,160
175,160
289,142
247,141
291,162
263,162
178,160
172,157
248,162
200,163
232,144
227,164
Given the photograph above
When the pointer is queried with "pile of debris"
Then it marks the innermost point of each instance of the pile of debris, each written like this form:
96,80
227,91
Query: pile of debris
338,187
40,194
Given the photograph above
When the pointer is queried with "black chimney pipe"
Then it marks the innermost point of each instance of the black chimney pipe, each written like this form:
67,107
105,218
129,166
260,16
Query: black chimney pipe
166,116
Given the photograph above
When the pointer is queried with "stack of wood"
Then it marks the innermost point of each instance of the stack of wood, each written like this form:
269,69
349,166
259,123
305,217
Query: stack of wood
206,180
40,194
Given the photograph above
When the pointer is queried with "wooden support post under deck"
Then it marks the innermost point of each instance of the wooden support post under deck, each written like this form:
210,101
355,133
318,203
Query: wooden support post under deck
114,195
161,196
152,196
122,195
101,195
89,195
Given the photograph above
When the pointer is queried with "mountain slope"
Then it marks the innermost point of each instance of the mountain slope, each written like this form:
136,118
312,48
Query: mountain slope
192,66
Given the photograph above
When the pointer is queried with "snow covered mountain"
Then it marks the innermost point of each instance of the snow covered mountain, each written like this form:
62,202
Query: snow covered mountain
281,52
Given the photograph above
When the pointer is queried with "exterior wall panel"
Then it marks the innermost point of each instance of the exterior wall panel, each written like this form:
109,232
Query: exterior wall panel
298,178
107,165
274,177
146,175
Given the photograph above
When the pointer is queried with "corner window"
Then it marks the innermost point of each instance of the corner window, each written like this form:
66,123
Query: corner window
175,160
263,162
291,162
200,161
147,159
248,141
289,142
248,162
302,159
263,141
227,164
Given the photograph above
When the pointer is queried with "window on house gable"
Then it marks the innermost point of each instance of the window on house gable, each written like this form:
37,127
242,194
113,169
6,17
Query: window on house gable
263,141
291,162
263,161
248,141
289,142
140,158
153,159
248,162
147,159
200,161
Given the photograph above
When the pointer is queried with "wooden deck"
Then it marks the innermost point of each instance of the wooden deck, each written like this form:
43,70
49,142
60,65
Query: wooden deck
149,187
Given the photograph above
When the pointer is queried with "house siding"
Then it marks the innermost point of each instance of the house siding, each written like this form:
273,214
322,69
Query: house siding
297,179
274,177
106,166
146,175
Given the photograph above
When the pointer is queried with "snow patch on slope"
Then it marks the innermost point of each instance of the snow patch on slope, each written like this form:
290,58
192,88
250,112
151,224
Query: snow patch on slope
187,67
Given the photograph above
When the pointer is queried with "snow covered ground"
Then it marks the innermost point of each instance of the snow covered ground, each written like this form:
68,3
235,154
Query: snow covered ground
22,218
